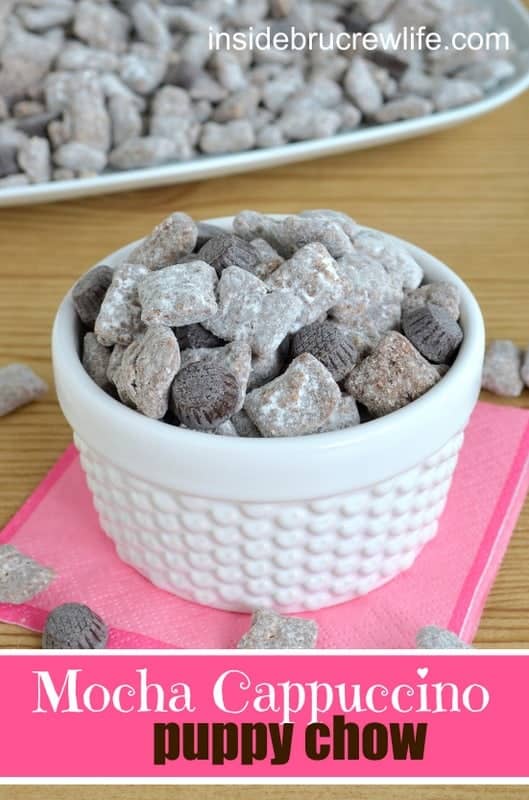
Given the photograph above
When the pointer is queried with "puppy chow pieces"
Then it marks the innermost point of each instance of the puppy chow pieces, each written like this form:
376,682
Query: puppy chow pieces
234,358
445,295
89,292
312,274
372,300
289,341
433,331
345,415
326,342
147,370
502,370
228,250
395,259
297,402
96,358
240,296
119,317
431,637
391,377
19,385
183,294
203,395
272,631
95,86
172,239
73,626
195,336
21,577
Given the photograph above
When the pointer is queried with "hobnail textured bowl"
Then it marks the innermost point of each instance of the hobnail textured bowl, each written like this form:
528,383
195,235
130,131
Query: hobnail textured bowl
296,523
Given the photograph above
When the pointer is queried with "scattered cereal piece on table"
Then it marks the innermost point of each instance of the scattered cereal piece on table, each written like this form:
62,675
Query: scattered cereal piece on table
432,637
19,385
272,631
502,369
73,626
21,577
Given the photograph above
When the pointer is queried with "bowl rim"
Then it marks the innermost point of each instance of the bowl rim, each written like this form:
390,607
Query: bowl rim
471,321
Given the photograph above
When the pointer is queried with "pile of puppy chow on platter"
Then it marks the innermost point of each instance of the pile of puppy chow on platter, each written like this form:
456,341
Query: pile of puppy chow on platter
92,86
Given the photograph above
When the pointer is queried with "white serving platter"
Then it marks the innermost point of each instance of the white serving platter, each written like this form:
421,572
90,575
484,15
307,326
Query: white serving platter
511,14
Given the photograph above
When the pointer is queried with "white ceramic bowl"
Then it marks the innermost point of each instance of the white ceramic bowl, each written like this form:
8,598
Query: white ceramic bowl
294,523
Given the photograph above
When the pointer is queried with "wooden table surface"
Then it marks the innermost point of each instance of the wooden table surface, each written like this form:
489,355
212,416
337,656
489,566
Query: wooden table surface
263,793
462,194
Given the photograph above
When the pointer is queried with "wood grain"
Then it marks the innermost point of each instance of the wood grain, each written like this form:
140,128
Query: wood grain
462,194
263,792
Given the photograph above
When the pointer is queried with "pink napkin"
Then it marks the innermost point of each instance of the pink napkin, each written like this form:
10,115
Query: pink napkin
447,585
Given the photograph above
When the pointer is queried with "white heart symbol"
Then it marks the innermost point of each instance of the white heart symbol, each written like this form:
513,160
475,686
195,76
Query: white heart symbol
422,672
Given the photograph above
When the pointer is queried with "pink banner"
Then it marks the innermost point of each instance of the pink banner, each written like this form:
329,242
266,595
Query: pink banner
234,715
